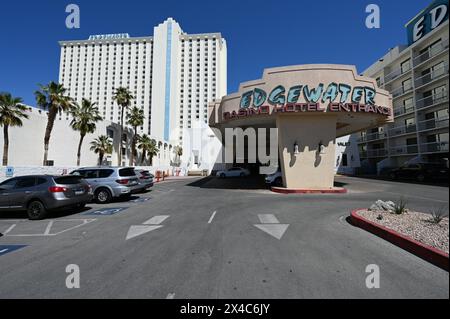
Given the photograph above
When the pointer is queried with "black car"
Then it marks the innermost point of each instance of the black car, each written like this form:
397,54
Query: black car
420,172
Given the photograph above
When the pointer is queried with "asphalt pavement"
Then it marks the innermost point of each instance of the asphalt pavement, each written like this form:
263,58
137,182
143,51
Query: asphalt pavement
210,238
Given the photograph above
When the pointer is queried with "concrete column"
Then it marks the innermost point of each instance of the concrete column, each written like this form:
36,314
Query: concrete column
310,169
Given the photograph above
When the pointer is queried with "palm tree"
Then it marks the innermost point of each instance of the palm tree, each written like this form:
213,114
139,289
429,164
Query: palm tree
101,145
85,117
135,118
11,114
148,147
52,97
123,98
178,150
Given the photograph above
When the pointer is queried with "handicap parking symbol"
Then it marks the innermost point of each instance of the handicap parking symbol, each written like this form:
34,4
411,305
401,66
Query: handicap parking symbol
106,211
5,249
140,200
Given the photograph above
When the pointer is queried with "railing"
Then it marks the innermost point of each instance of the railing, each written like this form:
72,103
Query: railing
376,136
396,73
433,75
435,123
431,52
402,130
377,153
403,109
404,149
362,139
434,147
401,90
432,100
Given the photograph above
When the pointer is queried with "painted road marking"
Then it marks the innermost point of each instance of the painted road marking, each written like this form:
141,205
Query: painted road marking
140,200
106,211
5,249
268,219
9,229
170,296
148,226
271,225
156,220
81,222
212,217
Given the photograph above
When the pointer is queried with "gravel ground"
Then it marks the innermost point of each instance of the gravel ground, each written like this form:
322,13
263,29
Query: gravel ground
414,225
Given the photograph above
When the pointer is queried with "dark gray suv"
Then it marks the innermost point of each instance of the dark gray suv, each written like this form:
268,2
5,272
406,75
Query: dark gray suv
39,194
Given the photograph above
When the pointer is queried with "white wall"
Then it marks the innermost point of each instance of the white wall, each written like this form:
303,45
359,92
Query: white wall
349,146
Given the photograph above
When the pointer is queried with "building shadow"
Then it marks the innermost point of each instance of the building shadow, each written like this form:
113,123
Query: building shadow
245,183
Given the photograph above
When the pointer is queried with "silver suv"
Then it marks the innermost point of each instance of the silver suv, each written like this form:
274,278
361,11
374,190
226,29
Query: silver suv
39,194
110,182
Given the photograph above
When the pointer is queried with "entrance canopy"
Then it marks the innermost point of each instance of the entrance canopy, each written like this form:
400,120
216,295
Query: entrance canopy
310,105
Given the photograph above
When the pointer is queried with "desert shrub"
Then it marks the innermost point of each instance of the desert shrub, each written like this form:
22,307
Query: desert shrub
400,207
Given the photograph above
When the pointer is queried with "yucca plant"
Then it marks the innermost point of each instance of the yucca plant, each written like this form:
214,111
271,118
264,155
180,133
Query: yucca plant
400,207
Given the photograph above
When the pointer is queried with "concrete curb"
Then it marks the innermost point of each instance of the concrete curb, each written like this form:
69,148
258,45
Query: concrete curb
281,190
428,253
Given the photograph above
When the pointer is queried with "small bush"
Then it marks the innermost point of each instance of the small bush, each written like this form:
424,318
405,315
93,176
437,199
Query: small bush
437,215
400,207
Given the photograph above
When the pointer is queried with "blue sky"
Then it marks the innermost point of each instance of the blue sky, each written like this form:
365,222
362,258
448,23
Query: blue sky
260,34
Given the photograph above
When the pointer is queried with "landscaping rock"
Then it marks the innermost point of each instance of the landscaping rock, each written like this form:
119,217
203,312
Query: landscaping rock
380,205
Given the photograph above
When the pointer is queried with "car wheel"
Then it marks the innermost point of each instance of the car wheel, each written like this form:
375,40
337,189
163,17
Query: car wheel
421,178
222,175
103,196
278,182
80,206
36,210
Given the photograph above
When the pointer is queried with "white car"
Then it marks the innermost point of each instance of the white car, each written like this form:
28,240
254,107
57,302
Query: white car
275,179
233,172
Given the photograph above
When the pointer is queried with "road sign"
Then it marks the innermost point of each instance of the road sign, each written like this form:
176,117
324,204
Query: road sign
9,171
106,211
5,249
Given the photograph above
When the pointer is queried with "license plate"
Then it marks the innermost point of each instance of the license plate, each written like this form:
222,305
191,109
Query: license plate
79,192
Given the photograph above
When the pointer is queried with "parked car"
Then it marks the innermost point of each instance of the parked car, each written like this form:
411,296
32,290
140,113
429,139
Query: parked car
274,179
233,172
110,182
420,172
145,179
39,194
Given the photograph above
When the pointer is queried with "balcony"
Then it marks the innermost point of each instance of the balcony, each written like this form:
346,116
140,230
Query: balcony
377,153
400,130
430,53
435,147
432,100
396,73
404,150
400,110
400,91
432,76
431,124
376,136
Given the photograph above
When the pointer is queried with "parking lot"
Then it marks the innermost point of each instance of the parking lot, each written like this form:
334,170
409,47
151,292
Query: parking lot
208,238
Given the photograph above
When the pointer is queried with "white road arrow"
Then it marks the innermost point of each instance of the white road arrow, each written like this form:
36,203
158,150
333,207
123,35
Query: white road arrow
135,231
271,225
148,226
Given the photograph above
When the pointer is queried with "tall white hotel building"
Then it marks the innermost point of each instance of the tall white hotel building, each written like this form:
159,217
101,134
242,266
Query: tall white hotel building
172,75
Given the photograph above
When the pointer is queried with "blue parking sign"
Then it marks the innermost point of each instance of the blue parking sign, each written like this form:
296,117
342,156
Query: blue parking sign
9,171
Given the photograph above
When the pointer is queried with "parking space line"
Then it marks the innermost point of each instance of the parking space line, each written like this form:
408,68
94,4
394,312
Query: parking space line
268,219
9,229
49,226
212,217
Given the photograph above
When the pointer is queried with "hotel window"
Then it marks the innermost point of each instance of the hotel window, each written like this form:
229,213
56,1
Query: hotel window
408,104
407,85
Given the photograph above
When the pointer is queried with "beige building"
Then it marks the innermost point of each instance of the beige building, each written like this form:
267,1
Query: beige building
310,106
417,77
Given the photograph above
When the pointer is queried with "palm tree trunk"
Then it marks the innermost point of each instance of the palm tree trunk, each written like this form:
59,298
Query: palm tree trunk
120,136
79,149
100,158
48,131
133,147
143,158
5,144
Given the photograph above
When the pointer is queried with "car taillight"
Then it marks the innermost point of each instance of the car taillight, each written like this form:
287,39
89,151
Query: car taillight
122,181
57,189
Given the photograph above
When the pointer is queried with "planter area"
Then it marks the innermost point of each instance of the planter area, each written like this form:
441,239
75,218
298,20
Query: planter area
415,232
